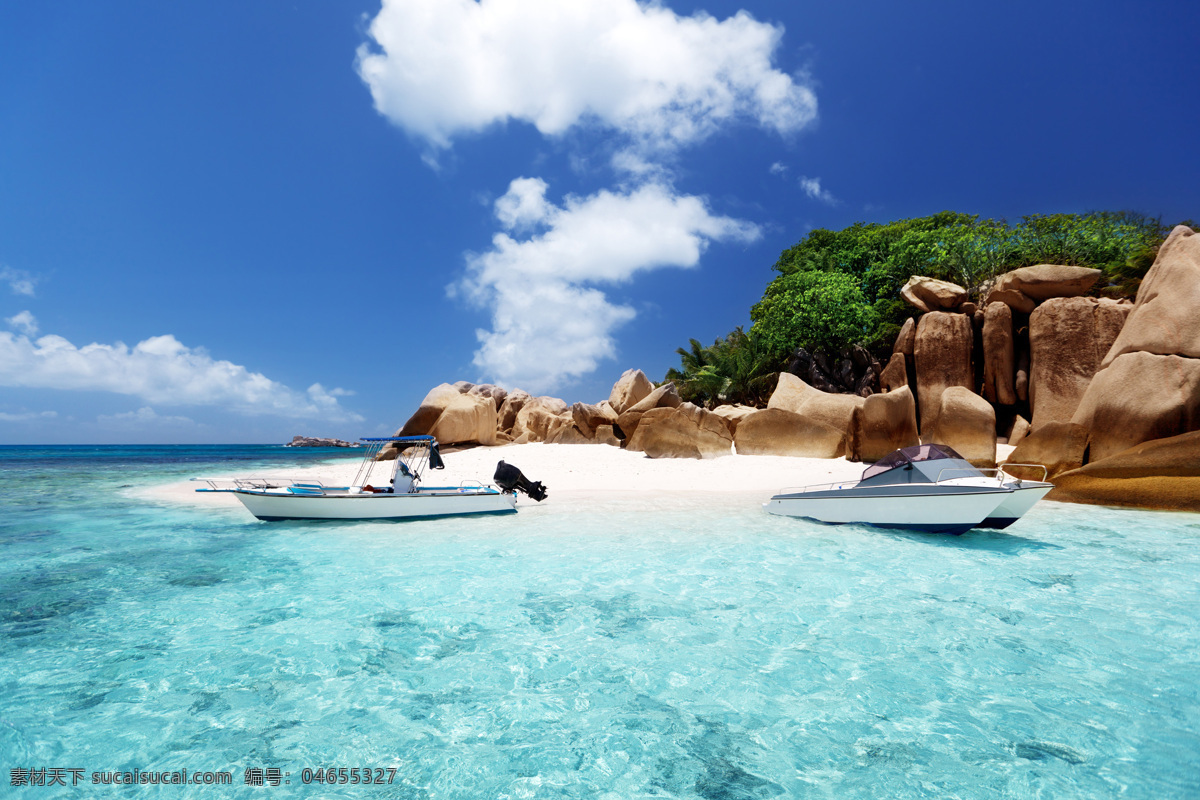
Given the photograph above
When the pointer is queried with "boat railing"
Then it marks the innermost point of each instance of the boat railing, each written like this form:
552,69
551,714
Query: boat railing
970,472
1042,467
259,484
819,487
998,472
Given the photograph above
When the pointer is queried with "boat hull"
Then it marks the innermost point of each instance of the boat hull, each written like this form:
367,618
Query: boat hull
1023,497
272,507
933,512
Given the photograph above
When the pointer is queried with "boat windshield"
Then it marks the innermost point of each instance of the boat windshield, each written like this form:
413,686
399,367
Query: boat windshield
909,455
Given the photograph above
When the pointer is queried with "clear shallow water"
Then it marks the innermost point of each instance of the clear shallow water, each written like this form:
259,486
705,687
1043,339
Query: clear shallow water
598,651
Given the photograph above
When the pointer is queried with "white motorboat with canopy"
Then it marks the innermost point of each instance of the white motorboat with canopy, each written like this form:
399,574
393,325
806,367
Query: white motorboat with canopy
402,498
927,487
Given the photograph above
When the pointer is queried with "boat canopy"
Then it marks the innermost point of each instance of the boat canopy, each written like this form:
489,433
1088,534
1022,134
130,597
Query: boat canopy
426,454
910,455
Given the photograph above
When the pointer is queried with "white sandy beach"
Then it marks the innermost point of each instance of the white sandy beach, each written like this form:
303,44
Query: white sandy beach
585,474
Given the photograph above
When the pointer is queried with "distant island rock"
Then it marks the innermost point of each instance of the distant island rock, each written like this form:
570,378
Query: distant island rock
313,441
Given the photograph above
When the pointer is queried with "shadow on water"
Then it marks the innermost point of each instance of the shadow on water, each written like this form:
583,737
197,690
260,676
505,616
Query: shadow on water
976,539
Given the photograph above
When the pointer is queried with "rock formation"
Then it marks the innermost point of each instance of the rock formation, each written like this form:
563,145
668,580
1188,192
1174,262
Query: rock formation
852,371
630,388
967,423
452,415
776,432
1068,339
884,423
512,406
313,441
793,394
895,374
733,415
538,418
1058,446
1139,397
683,431
588,417
665,396
1148,385
1012,298
1044,281
1164,473
942,352
999,355
931,294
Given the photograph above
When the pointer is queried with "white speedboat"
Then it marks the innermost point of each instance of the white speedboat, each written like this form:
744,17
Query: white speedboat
928,487
401,498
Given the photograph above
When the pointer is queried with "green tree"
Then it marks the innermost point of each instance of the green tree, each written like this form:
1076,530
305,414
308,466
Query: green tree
812,308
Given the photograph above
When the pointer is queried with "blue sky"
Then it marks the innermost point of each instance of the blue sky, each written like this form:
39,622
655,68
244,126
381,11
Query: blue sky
237,222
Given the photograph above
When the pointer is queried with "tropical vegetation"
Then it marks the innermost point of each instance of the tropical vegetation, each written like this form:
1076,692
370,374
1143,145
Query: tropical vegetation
840,288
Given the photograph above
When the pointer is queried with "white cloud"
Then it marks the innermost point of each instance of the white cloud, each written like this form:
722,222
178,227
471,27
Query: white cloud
779,168
443,68
19,281
23,322
812,188
550,323
27,416
159,370
141,418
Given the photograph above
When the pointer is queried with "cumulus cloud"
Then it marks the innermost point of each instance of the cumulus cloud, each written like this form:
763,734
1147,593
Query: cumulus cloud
23,322
141,418
443,68
27,416
812,188
19,281
550,322
159,370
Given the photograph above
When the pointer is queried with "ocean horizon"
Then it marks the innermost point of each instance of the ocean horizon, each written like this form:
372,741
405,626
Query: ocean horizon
607,648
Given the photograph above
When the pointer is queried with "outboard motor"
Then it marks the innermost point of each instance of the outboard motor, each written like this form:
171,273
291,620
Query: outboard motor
510,479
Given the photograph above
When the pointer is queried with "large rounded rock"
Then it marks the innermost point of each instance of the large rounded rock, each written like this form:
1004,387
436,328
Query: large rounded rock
467,419
794,395
1057,446
665,396
512,406
538,418
775,432
1018,431
1162,474
931,294
686,431
906,338
886,422
588,417
631,387
1012,298
733,415
497,393
568,434
999,358
894,375
431,408
942,352
453,415
605,435
1139,397
1043,281
967,423
1068,337
1166,317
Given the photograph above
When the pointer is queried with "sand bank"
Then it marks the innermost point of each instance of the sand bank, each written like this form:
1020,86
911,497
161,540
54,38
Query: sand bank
582,473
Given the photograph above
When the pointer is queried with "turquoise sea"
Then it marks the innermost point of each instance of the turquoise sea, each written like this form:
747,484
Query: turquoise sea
608,650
